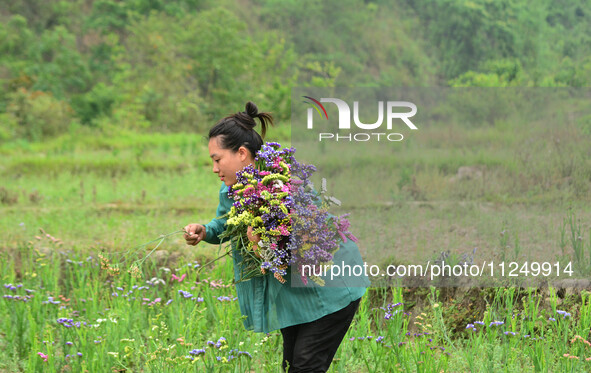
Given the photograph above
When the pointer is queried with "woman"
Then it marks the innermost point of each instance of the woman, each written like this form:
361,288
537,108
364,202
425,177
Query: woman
313,320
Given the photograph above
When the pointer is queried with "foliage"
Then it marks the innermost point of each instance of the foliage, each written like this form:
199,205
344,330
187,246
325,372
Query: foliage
182,64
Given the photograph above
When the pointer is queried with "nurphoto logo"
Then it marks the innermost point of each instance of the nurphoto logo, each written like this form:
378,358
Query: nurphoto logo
392,113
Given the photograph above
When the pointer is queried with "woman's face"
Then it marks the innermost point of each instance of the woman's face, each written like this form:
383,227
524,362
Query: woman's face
226,162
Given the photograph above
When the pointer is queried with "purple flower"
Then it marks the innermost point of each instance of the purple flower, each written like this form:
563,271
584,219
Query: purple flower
563,313
185,294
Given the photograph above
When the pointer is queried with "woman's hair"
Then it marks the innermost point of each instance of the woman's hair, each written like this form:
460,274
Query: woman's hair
237,130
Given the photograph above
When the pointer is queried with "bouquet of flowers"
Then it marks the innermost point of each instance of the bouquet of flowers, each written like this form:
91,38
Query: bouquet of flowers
278,221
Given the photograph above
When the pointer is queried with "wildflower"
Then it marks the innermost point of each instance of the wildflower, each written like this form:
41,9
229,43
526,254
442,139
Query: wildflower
185,294
221,341
578,337
179,279
244,353
157,300
551,319
153,282
43,356
197,352
563,313
496,323
226,299
50,300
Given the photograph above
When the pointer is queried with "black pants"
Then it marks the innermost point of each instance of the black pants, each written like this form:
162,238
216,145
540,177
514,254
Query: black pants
310,347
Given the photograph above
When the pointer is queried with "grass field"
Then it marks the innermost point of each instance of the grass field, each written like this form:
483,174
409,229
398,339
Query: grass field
102,194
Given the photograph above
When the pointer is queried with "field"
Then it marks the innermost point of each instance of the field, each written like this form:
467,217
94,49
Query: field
73,203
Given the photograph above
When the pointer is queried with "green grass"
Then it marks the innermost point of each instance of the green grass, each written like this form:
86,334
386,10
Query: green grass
103,194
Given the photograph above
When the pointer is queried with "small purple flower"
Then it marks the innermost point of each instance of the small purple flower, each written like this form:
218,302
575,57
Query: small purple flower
197,352
563,313
185,294
244,353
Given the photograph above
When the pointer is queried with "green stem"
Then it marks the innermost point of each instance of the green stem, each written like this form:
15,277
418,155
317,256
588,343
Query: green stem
211,261
161,238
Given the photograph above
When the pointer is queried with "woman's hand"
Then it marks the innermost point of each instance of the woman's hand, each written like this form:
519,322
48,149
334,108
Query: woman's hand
254,239
195,233
251,237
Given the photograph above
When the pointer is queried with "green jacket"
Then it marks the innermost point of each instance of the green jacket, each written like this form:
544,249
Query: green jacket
269,305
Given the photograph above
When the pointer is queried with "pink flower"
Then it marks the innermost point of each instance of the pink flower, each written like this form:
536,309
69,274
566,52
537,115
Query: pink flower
283,230
179,279
43,356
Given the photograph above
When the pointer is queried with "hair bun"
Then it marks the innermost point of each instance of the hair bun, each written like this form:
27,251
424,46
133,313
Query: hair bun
251,109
